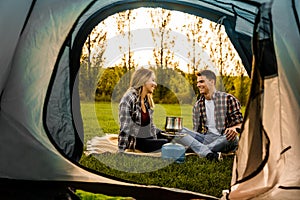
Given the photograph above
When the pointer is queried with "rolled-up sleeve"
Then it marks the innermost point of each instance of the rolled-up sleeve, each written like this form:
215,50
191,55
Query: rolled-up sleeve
196,117
234,116
154,129
125,112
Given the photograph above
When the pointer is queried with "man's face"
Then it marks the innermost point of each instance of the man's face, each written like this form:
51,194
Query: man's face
204,85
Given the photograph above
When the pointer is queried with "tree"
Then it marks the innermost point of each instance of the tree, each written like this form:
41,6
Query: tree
206,39
107,83
160,19
193,32
163,56
91,62
239,86
124,20
177,88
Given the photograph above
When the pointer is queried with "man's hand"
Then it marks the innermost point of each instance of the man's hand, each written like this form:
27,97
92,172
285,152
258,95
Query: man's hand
231,133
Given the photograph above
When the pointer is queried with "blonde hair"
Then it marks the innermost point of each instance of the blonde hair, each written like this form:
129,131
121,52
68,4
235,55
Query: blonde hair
138,80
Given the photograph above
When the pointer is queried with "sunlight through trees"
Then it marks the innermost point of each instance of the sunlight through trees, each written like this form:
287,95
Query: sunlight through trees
160,39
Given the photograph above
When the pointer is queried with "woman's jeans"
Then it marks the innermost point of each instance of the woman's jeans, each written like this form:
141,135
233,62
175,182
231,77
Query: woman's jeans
202,144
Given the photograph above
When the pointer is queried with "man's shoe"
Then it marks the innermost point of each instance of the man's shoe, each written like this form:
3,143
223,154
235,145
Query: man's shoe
220,157
214,156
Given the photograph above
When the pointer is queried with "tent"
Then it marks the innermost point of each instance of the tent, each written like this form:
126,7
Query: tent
40,121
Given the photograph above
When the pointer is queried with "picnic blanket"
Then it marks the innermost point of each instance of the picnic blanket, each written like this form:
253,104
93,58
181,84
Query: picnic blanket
109,144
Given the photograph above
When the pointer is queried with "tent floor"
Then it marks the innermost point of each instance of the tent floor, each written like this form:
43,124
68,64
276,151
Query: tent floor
35,190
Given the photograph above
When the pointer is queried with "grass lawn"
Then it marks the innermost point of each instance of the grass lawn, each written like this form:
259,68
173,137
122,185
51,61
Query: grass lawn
195,174
102,118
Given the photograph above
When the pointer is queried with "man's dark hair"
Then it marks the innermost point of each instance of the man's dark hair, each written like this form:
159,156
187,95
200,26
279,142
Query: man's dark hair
210,75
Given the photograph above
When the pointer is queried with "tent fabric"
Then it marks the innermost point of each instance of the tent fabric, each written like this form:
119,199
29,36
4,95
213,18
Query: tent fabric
10,34
23,98
267,165
40,121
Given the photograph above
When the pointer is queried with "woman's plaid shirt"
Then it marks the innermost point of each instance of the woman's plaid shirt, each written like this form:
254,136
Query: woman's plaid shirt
130,119
227,112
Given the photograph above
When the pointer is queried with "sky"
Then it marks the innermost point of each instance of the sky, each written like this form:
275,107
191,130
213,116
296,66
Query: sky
142,42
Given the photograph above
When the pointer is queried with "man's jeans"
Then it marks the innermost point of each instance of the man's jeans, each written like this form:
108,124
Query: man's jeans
202,144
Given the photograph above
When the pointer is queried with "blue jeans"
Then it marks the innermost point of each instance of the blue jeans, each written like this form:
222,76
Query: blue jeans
202,144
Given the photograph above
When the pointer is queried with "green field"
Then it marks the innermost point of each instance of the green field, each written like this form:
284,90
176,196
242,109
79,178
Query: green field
195,174
102,118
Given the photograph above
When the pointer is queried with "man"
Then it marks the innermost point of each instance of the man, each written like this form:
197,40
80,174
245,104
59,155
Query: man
217,119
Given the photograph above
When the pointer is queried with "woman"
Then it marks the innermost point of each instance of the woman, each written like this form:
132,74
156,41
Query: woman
137,130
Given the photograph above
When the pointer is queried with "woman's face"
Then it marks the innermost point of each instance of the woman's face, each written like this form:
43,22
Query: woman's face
150,85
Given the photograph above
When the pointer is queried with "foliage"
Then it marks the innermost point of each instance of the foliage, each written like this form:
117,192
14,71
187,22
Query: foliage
161,34
88,77
91,62
124,20
206,43
107,83
238,87
175,86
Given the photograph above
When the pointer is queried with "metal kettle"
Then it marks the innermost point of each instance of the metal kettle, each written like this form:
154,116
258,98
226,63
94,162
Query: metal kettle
173,124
